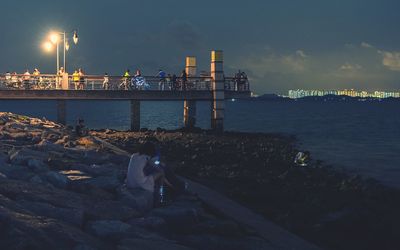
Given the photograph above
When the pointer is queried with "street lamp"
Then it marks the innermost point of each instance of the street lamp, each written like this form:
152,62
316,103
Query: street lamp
55,39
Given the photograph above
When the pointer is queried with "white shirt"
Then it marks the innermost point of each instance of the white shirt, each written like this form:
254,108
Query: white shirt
136,177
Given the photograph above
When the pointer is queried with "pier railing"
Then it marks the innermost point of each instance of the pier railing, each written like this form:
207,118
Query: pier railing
98,82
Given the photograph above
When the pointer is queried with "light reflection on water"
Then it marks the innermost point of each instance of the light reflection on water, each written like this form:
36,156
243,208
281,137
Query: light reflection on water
363,137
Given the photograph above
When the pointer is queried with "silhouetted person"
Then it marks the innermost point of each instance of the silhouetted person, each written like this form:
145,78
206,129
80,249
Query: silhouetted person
183,80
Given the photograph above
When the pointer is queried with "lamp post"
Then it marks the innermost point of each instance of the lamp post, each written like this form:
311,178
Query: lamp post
55,40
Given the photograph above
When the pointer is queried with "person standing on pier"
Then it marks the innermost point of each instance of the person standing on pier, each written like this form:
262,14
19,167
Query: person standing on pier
174,82
168,81
81,79
126,79
106,82
27,78
161,84
8,78
75,78
183,80
36,77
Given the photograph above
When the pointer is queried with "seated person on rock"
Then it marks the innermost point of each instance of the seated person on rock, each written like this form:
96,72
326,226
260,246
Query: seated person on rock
137,177
145,171
80,128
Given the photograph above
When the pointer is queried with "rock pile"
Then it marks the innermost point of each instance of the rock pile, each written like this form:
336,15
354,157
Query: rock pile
323,205
58,191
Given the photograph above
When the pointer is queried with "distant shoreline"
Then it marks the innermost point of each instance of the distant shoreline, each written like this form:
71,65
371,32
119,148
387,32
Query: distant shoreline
274,97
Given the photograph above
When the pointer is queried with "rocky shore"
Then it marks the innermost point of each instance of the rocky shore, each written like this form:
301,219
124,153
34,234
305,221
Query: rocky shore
58,191
325,206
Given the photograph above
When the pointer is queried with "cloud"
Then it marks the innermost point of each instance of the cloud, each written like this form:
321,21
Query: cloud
366,45
301,53
350,67
185,34
391,60
296,62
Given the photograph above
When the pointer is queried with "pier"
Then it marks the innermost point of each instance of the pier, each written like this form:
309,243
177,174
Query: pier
215,88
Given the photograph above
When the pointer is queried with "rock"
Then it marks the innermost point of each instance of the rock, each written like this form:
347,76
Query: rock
26,231
138,199
2,176
149,244
16,172
93,157
57,179
37,165
108,228
110,210
71,216
21,157
177,218
109,183
152,223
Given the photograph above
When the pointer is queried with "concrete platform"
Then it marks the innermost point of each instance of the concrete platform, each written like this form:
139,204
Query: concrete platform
150,95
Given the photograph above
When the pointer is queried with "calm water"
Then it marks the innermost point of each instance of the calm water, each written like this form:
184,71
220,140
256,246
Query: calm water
362,137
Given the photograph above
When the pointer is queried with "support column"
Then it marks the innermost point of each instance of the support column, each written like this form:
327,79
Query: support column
189,114
189,108
135,115
62,112
191,66
218,90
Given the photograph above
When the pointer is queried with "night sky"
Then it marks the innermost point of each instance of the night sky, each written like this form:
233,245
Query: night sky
280,44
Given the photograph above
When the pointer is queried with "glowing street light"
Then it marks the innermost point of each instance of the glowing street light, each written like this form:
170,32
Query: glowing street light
54,39
48,46
75,37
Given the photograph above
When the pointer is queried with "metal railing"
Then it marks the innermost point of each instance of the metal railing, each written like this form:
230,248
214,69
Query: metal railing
96,82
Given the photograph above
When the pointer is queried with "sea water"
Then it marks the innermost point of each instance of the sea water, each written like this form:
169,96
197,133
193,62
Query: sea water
361,137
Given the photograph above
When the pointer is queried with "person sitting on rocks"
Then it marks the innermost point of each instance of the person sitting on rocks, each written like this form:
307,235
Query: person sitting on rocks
144,172
302,159
80,128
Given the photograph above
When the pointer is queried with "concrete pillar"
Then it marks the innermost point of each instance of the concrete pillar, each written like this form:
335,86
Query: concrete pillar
135,115
191,66
189,108
189,113
218,90
62,112
64,82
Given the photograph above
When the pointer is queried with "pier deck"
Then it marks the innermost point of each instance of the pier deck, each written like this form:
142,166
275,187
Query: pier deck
151,95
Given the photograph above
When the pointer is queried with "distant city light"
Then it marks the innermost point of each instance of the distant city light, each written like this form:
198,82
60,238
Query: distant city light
48,46
300,93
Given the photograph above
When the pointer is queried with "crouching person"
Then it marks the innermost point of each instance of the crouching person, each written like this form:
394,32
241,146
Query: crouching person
144,181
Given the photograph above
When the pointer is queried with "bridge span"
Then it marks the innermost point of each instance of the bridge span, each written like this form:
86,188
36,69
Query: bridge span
214,87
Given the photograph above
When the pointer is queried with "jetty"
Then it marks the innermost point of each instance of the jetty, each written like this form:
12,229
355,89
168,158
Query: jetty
214,87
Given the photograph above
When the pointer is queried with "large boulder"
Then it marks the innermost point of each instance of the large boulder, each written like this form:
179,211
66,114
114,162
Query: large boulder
37,165
137,198
16,172
25,231
151,223
21,157
57,179
177,218
110,210
108,183
108,228
68,215
150,244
